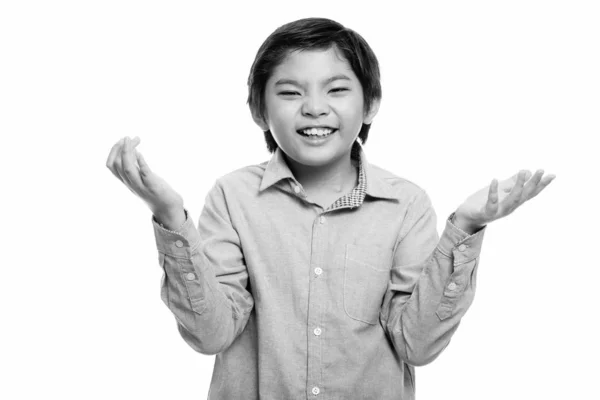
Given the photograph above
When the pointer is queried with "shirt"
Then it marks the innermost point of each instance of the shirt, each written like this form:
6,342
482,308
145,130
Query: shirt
301,302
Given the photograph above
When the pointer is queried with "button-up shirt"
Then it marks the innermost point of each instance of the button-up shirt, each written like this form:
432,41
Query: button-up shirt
298,301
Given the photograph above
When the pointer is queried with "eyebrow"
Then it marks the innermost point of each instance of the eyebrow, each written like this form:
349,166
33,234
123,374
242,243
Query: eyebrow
325,82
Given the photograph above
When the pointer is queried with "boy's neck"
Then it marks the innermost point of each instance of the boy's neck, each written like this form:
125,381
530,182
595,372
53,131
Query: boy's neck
338,177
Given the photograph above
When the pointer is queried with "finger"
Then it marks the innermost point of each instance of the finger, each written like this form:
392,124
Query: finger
513,200
542,184
118,162
112,159
118,166
144,168
113,153
512,181
128,167
491,207
507,184
531,186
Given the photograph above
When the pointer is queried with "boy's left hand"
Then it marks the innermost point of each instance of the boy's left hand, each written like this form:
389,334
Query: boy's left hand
500,199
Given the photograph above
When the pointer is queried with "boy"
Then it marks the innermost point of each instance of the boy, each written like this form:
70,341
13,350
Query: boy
316,275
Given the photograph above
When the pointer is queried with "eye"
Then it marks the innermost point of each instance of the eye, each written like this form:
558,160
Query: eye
339,90
288,93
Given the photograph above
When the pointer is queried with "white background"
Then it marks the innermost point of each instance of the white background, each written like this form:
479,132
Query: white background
472,90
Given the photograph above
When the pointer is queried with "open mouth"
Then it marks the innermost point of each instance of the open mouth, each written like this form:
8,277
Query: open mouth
316,132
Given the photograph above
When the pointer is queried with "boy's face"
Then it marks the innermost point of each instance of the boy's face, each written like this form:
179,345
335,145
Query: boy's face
315,89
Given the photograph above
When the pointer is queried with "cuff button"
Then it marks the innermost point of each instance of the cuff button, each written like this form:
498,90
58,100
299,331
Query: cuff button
190,276
462,247
179,243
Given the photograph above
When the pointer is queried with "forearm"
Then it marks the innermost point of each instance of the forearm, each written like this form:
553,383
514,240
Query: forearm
422,324
208,321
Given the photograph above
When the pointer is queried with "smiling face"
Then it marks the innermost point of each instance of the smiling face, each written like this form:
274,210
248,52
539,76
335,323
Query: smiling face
314,107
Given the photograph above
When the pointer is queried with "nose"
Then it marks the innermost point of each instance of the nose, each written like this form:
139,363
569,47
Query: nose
315,106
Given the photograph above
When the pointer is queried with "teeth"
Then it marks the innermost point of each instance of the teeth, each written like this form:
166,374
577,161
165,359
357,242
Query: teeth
317,131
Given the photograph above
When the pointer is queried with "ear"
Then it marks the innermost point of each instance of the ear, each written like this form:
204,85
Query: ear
372,112
260,121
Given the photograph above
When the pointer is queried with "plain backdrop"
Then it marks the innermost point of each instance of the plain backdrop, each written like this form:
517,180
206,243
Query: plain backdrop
472,90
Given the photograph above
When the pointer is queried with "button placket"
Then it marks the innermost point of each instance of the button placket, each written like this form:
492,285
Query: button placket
315,312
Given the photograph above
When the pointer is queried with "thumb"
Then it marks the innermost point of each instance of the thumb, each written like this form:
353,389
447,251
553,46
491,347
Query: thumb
144,168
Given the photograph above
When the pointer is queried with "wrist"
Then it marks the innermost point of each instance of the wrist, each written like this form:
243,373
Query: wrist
171,220
464,224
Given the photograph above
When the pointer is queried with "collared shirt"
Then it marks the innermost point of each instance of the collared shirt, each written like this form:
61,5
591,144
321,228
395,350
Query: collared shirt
302,302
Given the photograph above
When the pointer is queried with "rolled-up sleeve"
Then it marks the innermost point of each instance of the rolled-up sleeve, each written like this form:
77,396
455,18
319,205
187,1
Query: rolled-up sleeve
205,281
432,284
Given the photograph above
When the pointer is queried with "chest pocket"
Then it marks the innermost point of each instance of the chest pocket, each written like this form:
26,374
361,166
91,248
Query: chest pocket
366,278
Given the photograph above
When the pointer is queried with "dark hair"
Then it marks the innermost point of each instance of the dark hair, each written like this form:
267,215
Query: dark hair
313,34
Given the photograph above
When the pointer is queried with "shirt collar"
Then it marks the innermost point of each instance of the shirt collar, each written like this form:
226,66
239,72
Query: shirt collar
277,169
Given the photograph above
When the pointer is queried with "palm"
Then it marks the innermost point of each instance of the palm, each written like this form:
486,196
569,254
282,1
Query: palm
499,199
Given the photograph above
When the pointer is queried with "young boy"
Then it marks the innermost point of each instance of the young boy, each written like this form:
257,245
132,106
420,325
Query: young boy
316,275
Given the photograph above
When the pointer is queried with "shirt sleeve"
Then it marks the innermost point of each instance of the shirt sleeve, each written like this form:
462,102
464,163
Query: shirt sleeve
432,284
205,281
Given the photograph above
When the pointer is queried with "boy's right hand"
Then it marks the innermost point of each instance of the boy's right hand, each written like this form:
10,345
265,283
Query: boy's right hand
164,202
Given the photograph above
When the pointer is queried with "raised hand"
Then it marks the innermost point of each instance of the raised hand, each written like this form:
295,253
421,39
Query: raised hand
164,202
500,199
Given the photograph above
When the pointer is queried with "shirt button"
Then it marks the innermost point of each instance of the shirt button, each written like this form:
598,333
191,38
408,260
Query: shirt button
297,189
462,247
190,276
452,286
318,271
179,243
315,390
322,219
317,331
